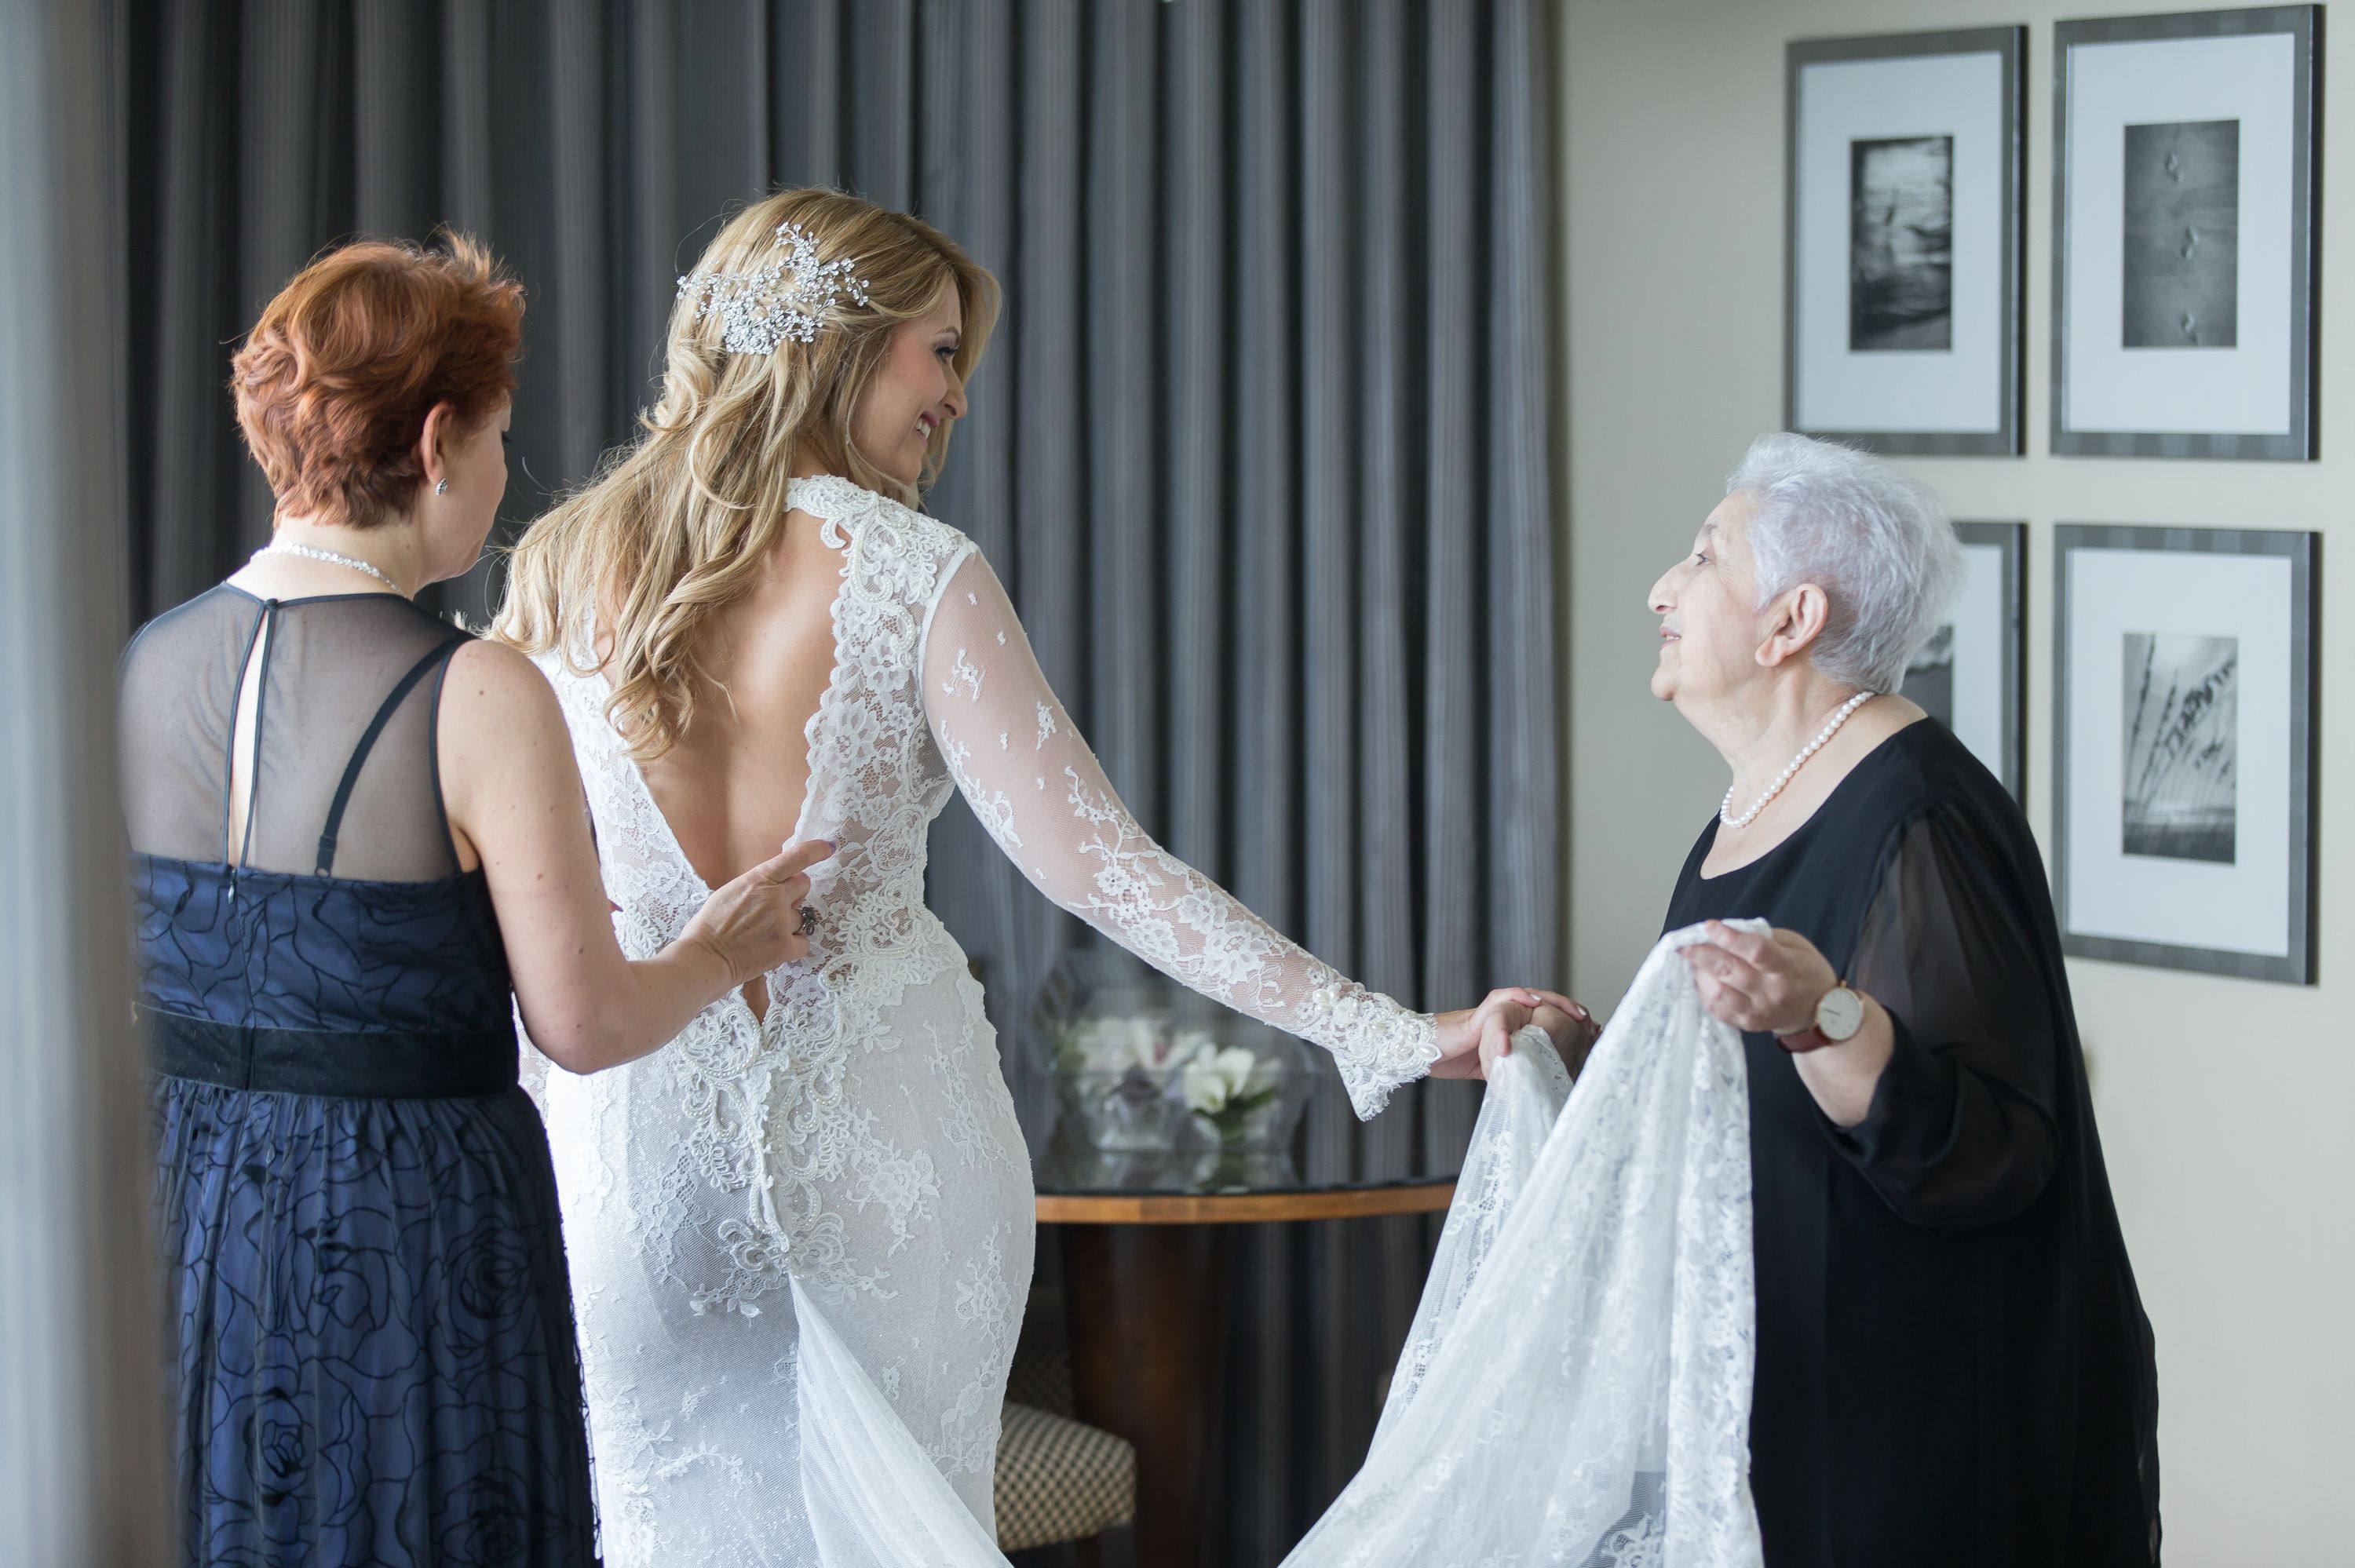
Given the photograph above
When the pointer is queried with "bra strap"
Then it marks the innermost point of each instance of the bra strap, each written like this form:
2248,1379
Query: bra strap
417,672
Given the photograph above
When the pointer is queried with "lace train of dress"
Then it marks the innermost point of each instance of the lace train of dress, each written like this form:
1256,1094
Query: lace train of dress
800,1243
1575,1389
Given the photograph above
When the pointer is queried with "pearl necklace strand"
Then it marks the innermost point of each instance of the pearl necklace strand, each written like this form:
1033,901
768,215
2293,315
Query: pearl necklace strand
1838,718
311,552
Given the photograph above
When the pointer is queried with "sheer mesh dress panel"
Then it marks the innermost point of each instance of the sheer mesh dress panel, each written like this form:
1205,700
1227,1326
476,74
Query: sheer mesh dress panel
328,665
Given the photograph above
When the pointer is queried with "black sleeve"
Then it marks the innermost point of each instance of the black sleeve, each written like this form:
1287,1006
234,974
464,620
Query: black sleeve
1961,1131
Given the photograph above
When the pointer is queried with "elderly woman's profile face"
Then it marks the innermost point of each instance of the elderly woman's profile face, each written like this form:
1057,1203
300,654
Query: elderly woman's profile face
1708,608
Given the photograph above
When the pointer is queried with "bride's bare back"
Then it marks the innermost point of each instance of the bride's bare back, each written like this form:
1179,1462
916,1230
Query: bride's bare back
732,787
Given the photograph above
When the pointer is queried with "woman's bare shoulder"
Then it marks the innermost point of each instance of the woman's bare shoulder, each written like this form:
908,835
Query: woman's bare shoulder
493,688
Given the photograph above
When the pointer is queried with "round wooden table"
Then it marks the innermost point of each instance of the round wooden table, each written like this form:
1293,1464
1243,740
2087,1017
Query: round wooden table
1148,1250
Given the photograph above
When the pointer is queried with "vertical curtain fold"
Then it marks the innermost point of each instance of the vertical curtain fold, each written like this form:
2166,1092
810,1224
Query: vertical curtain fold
1456,740
1196,142
1523,817
1261,449
85,1473
1126,631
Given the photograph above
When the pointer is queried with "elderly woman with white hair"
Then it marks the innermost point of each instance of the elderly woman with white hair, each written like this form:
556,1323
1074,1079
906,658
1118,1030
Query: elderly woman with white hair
1953,1366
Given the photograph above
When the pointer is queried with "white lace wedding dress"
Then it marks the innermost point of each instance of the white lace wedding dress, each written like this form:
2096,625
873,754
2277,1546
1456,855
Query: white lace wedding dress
800,1244
1575,1389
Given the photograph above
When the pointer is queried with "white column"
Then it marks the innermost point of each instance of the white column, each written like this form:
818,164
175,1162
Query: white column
82,1432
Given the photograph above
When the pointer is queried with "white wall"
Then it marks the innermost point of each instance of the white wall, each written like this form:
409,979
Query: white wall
2224,1104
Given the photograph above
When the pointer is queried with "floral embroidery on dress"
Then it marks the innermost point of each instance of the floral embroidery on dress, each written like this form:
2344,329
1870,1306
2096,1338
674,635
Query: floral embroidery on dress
965,673
810,1145
968,1438
903,1183
807,1145
1094,859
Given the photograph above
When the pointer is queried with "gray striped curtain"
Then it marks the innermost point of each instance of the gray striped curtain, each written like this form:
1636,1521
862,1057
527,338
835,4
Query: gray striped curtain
85,1473
1261,448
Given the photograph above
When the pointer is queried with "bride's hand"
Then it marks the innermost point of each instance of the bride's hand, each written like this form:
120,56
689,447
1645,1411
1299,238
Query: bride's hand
1472,1041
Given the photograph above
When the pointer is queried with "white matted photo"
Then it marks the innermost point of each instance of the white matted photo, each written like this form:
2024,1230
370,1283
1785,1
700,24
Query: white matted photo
2183,747
1971,675
2184,219
1903,299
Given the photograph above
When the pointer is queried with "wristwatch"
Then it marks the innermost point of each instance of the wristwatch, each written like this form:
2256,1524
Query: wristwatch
1839,1015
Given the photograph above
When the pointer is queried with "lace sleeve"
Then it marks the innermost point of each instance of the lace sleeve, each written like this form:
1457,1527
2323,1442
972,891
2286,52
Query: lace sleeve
1033,782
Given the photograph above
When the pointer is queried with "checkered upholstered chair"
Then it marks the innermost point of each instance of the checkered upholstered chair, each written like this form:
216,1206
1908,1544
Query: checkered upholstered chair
1058,1478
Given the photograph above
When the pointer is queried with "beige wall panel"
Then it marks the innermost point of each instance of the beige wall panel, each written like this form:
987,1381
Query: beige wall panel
2224,1104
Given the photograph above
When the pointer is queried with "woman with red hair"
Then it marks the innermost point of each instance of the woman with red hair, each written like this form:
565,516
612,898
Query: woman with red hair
359,848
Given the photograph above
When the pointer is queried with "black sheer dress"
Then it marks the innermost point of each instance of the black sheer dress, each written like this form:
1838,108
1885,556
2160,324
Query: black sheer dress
1953,1367
369,1321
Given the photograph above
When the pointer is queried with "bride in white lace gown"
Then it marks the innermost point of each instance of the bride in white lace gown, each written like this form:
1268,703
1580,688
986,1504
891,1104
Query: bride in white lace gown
845,1164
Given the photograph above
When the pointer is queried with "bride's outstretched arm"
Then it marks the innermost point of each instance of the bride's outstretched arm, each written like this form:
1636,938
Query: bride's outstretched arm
1035,785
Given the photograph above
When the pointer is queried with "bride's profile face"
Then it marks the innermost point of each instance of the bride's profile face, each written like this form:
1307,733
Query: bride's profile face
916,394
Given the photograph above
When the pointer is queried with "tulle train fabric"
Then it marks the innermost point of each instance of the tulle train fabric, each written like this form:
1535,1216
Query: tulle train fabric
875,1498
1575,1389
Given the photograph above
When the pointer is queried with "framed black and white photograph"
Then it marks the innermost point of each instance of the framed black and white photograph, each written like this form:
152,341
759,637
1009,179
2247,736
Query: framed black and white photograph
2184,212
1971,676
2183,735
1904,232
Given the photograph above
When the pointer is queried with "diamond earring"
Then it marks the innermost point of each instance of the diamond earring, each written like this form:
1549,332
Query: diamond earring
441,487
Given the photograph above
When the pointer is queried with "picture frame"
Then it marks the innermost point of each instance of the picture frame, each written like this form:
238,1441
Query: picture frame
2185,215
1905,165
2183,743
1972,675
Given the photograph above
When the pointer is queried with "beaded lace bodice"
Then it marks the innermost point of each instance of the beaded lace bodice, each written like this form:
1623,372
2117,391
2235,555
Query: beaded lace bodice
857,1140
934,687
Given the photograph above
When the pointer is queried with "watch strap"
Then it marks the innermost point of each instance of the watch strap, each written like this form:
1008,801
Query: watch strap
1808,1038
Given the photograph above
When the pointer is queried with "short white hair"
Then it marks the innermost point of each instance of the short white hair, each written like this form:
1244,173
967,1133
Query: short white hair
1878,545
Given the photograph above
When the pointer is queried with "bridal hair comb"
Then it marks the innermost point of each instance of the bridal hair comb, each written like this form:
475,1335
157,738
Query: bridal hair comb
789,298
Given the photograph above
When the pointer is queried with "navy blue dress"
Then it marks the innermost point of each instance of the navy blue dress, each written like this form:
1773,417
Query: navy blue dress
369,1321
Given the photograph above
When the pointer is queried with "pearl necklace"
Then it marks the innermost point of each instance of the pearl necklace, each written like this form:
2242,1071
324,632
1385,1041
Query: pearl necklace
1838,718
311,553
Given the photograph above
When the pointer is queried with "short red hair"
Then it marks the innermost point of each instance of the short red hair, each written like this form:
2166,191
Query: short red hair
336,379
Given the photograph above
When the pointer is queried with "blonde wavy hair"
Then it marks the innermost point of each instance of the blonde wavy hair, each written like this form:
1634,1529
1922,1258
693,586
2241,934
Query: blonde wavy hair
676,525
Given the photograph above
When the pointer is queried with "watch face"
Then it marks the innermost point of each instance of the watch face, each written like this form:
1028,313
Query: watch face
1840,1013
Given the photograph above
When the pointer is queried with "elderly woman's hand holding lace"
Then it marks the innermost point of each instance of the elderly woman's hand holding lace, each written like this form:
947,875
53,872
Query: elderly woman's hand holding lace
1771,983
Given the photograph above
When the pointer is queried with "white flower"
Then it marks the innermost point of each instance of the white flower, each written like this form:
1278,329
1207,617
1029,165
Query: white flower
1205,1086
1213,1076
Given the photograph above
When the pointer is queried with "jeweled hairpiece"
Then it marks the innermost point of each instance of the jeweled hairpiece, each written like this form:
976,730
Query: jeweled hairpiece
788,298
